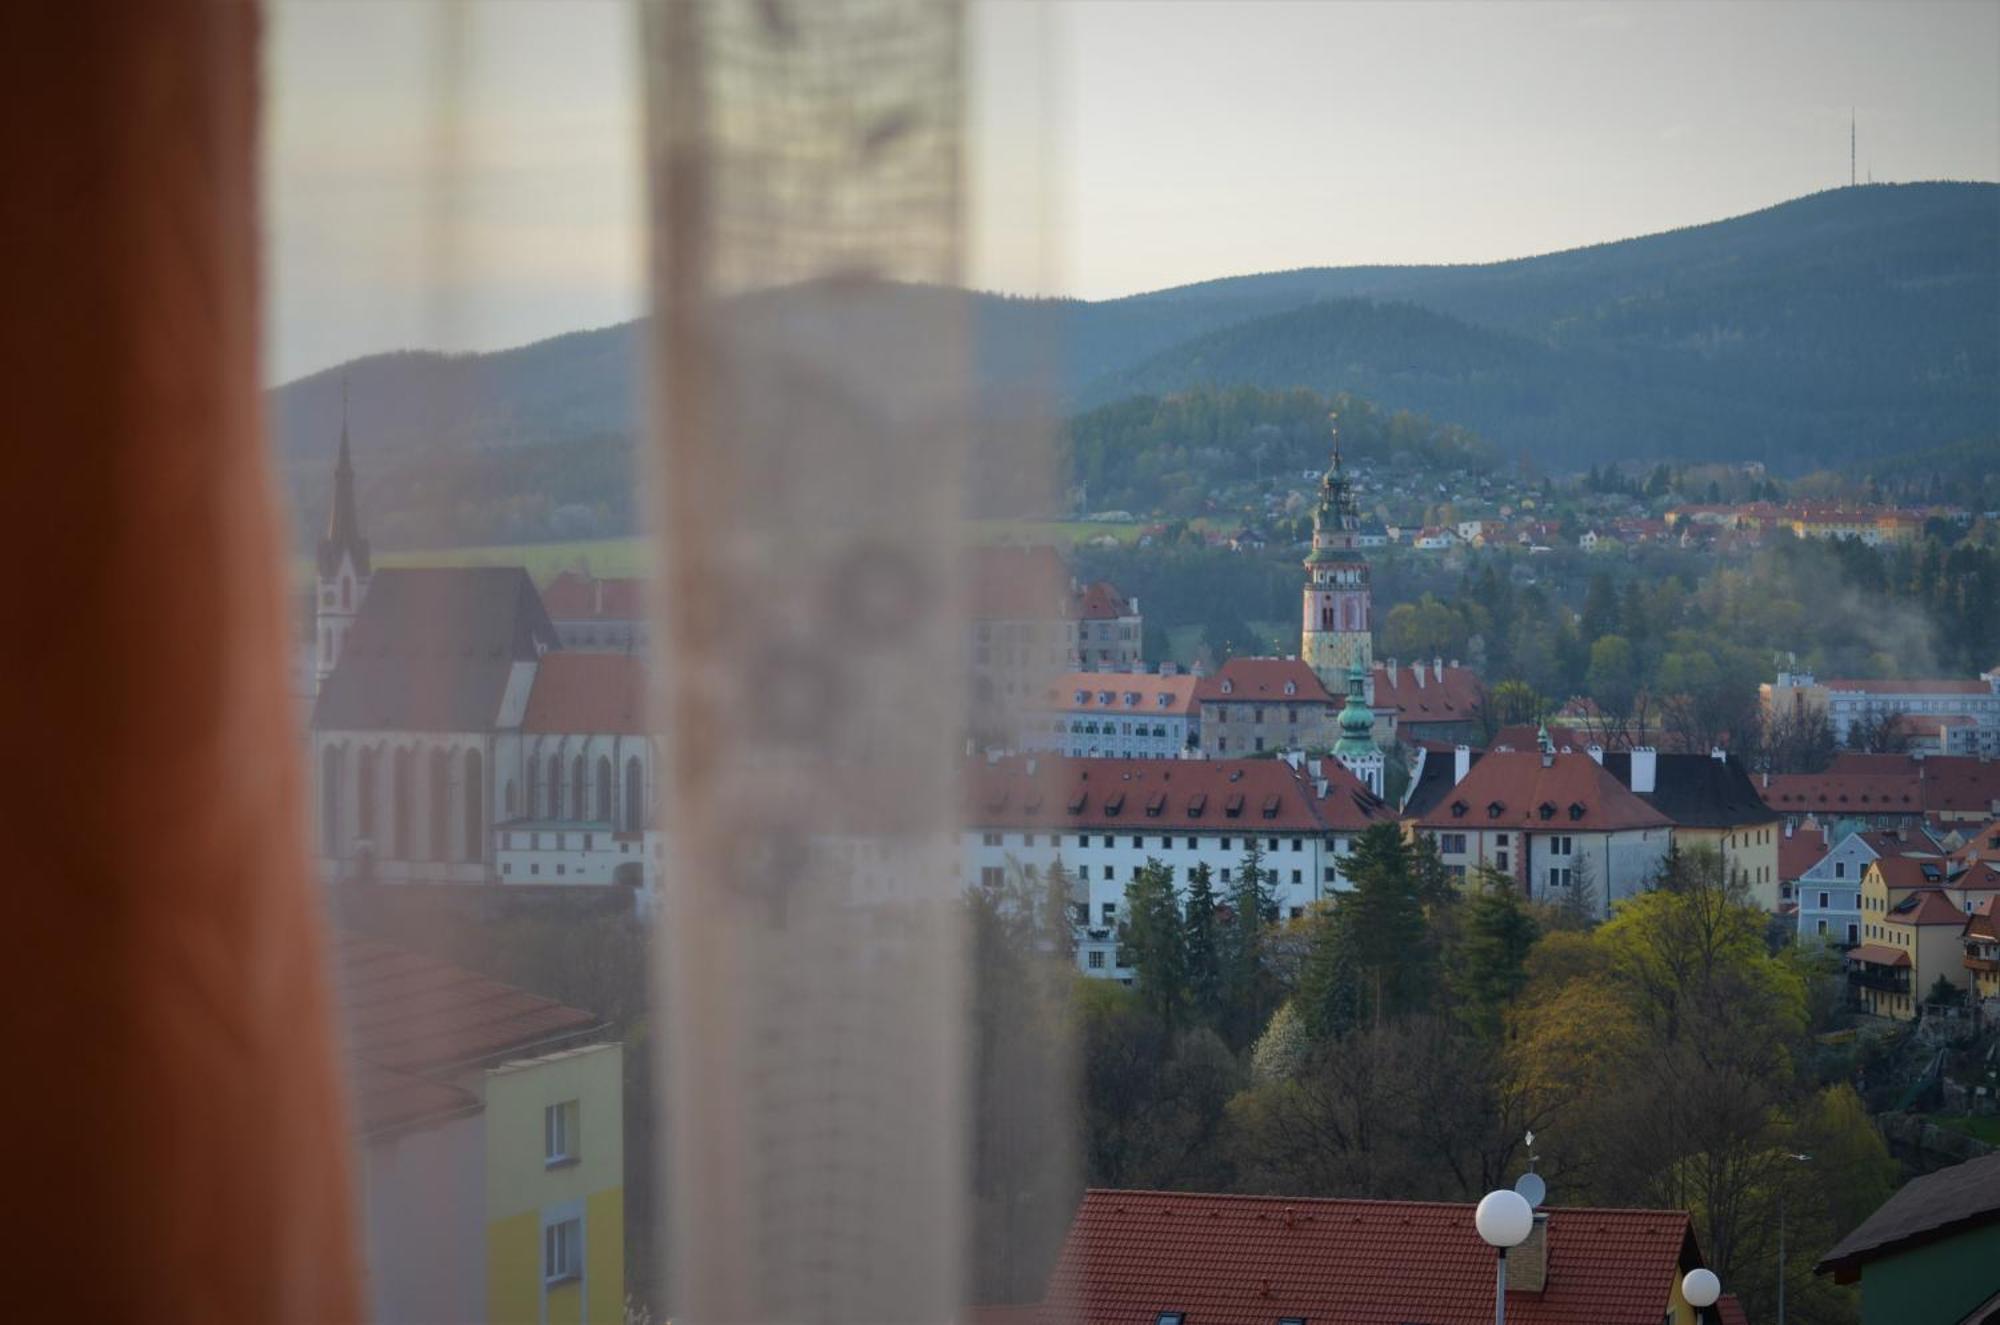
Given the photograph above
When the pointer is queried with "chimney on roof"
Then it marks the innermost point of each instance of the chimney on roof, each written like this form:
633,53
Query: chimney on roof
1718,754
1596,752
1389,673
1437,669
1528,1264
1461,764
597,597
1417,670
1031,765
1170,668
1645,769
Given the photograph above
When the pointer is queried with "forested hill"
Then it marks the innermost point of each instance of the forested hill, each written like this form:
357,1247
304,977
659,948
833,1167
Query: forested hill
1854,323
1848,323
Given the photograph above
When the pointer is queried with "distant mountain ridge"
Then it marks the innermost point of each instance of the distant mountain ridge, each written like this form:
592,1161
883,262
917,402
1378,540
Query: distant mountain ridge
1848,323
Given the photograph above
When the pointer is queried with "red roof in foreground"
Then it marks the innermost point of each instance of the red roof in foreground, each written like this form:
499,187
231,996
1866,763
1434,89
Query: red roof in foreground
407,1015
1253,1260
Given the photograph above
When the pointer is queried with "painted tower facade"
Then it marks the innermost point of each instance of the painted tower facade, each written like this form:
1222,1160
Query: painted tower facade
1335,637
343,568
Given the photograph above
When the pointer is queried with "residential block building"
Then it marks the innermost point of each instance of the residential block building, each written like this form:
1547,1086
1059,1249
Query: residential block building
1928,1253
1254,705
490,1125
1829,890
1114,715
1711,801
1103,820
1944,717
1547,820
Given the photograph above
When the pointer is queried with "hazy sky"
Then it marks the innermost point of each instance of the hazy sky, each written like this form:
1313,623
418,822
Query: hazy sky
1118,146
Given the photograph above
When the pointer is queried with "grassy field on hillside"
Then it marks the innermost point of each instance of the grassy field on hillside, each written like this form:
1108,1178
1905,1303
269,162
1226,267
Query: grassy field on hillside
629,556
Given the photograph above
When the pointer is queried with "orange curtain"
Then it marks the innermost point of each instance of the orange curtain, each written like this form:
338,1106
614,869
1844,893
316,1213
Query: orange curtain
171,1105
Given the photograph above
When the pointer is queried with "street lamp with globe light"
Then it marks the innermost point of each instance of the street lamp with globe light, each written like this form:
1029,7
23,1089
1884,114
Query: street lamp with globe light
1504,1219
1701,1288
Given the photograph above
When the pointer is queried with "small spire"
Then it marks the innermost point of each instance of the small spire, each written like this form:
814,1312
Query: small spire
343,520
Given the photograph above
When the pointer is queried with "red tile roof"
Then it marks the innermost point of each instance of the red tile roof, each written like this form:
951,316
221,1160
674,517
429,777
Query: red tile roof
1799,851
1890,784
1252,1260
1060,695
1098,602
1927,907
573,597
1426,694
405,1012
1512,789
1264,678
1878,954
1168,796
1909,872
590,694
1729,1310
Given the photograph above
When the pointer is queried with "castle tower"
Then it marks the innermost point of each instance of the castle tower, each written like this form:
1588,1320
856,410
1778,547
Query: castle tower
343,568
1335,637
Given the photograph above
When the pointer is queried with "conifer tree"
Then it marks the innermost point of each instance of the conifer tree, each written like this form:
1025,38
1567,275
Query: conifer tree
1150,942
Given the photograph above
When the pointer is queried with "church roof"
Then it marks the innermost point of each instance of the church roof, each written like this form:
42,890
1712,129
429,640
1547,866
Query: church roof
596,694
431,650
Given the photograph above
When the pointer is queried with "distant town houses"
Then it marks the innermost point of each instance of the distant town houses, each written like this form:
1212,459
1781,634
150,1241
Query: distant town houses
1942,716
1829,886
1926,924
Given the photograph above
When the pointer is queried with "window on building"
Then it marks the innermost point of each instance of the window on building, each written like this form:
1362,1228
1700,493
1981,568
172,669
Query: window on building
560,1133
1298,844
1822,901
1272,845
1297,876
562,1251
1559,876
991,877
1327,873
1108,911
1138,842
1259,743
1096,959
989,839
1108,840
1225,874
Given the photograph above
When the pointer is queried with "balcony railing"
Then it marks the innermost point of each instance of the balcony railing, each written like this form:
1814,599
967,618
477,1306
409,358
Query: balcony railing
1888,979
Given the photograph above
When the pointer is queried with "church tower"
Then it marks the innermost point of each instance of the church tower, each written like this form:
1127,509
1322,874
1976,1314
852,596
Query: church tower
343,561
1335,638
1356,747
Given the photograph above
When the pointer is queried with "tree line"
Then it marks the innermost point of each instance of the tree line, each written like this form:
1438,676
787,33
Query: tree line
1401,1041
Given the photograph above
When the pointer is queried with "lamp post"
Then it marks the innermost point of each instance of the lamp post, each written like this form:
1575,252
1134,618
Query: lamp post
1700,1287
1504,1219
